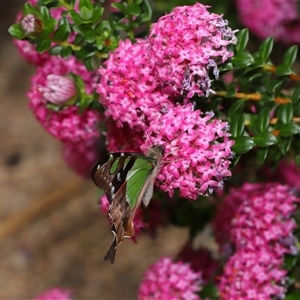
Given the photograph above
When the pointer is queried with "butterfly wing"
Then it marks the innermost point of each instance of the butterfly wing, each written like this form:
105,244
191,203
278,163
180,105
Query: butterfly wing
123,177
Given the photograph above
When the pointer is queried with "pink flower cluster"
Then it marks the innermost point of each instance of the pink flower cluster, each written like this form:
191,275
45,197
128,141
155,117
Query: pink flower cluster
197,151
135,92
261,230
170,280
77,130
185,45
128,88
55,294
276,18
67,125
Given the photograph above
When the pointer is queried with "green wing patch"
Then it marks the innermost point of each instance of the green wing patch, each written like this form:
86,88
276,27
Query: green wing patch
136,179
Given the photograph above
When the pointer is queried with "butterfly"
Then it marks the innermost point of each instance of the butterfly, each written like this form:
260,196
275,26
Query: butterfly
127,179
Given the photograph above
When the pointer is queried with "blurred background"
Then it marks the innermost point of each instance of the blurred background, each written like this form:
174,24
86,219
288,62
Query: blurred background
51,231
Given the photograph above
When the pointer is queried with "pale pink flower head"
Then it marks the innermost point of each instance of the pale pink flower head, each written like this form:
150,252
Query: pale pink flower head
261,230
138,221
81,156
271,18
186,45
197,151
67,124
170,280
30,24
58,89
55,294
128,88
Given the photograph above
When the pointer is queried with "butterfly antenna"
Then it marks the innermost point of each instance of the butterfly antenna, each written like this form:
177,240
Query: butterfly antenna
174,138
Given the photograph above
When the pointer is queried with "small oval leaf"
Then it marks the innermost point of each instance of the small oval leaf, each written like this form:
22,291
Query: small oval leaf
242,144
264,139
265,49
285,113
263,119
289,129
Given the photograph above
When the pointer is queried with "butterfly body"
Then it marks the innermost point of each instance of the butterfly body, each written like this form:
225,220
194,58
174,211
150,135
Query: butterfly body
128,180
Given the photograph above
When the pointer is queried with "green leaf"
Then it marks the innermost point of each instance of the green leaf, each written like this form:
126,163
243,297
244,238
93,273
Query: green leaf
296,95
56,50
146,16
265,48
227,66
49,26
283,70
85,52
285,113
258,62
242,59
297,160
243,38
237,125
267,97
237,107
16,31
289,129
134,9
88,62
261,154
79,83
242,144
263,119
86,14
294,295
264,139
90,36
290,56
209,291
284,144
120,6
30,9
75,17
97,14
66,51
43,45
85,3
45,13
63,30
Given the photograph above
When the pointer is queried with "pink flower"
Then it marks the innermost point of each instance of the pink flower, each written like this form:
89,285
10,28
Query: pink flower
276,18
128,88
170,280
261,231
197,151
185,45
58,89
67,124
81,156
138,222
55,294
